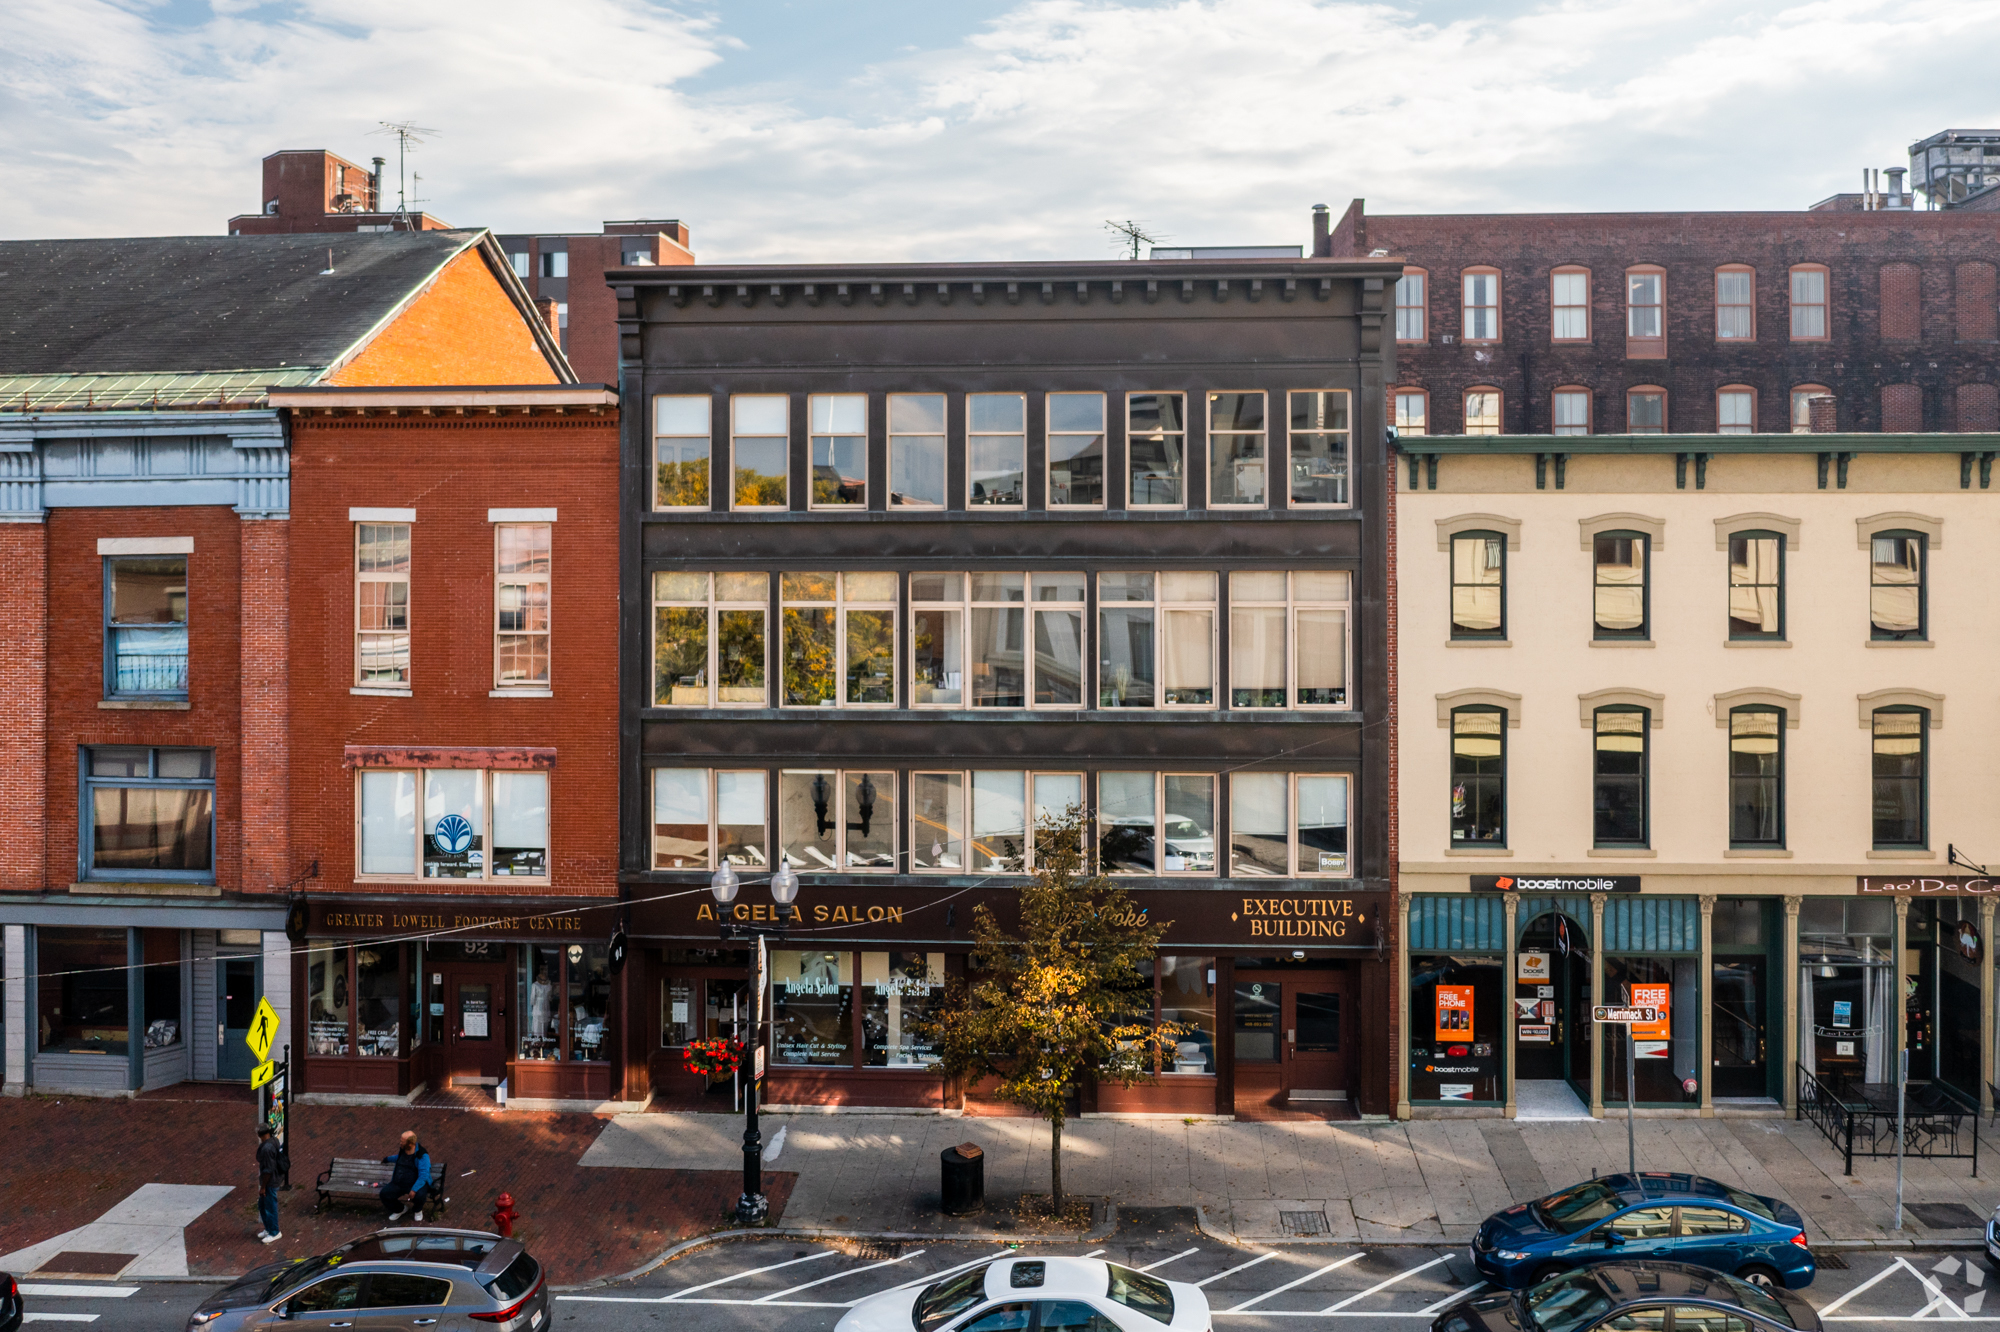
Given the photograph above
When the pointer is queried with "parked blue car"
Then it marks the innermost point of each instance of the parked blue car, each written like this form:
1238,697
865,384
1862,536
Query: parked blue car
1653,1216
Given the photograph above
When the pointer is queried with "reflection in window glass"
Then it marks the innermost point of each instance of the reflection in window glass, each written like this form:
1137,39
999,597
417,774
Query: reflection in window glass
1125,822
1619,595
1156,638
1645,413
1322,825
1259,825
1187,997
1413,414
1058,797
996,449
326,999
1482,412
760,445
1619,797
388,822
521,823
810,1008
83,992
1756,777
1478,582
898,991
1896,587
832,821
1478,777
1076,450
1899,772
1236,452
454,824
590,1003
379,980
1756,584
999,821
839,639
680,818
541,1001
916,450
1318,439
870,841
937,819
680,451
1187,831
838,450
1155,448
708,651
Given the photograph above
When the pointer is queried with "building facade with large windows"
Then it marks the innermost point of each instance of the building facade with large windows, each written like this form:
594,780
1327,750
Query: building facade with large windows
918,556
1693,724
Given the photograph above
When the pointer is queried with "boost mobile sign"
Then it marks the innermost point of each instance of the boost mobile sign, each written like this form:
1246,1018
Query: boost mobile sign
1582,883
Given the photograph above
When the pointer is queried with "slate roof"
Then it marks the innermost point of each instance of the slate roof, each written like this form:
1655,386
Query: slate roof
204,305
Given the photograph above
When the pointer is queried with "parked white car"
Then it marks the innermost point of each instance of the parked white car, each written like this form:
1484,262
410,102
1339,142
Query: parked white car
1036,1295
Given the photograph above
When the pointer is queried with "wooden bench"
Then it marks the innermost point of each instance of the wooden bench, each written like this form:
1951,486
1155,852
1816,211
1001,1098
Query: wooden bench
361,1179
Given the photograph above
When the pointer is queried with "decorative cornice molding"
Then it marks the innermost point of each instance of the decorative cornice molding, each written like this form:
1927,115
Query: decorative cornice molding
1900,698
1896,519
1477,522
1655,704
1743,698
1490,698
1754,522
1654,528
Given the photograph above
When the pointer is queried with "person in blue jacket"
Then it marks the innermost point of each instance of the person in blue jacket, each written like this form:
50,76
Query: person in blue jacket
409,1181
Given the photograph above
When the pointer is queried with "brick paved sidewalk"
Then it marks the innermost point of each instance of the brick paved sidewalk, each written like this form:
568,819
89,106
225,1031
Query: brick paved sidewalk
69,1161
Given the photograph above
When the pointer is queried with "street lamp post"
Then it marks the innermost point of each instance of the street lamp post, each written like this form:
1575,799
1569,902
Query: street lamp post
752,1207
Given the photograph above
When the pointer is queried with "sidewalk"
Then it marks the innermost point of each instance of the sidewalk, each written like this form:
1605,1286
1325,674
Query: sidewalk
1429,1180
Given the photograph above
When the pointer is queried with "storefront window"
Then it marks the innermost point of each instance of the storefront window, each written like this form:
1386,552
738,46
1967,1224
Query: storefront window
163,988
1846,988
676,1012
378,982
326,999
1457,1017
811,1008
1187,997
1944,1010
1665,1052
897,992
590,1002
83,1001
541,1002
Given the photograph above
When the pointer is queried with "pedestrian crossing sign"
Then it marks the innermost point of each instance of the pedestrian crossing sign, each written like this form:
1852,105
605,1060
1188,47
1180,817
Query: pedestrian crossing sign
262,1074
263,1030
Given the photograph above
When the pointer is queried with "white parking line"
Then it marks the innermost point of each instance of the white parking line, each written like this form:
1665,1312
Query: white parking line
64,1288
1300,1281
1433,1308
941,1275
1164,1261
1261,1258
854,1271
1831,1308
1380,1285
735,1276
58,1318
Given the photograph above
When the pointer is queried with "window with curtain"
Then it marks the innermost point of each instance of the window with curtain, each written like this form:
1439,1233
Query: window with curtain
1412,412
1288,639
1756,585
1643,300
1570,411
1896,586
1736,411
1809,322
1619,776
700,814
1156,639
147,813
1482,307
996,640
1569,299
1757,777
1478,777
1735,310
146,626
453,823
1620,587
1646,412
1900,773
1410,309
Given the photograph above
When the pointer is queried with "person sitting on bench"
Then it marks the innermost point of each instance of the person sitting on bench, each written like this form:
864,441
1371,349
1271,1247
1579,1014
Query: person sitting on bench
410,1180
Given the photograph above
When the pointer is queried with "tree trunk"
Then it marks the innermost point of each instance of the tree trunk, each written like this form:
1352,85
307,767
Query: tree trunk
1055,1164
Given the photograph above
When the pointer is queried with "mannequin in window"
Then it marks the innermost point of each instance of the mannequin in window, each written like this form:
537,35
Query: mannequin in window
541,999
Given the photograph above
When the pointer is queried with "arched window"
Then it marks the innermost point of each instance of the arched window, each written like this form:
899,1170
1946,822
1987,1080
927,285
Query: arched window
1618,776
1481,311
1569,305
1478,777
1646,311
1809,302
1482,411
1646,410
1569,409
1412,309
1735,303
1736,410
1413,411
1801,414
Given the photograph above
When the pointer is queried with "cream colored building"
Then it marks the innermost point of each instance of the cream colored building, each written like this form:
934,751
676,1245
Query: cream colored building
1694,693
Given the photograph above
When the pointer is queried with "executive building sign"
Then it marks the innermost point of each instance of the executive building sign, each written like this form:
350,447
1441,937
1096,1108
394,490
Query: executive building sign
1963,885
1556,883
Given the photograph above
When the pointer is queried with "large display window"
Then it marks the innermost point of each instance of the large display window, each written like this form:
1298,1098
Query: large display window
83,1003
1667,1051
564,998
1457,1026
1847,995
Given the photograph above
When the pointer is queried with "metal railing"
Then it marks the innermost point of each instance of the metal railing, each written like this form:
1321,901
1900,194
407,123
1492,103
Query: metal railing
1939,1123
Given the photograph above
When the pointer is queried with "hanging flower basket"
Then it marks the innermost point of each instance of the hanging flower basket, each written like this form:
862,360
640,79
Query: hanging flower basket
715,1060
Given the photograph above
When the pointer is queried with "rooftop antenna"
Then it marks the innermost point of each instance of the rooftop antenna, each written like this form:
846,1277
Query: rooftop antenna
408,134
1130,233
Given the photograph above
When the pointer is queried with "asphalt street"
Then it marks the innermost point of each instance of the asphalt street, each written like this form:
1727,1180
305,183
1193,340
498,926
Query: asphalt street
780,1285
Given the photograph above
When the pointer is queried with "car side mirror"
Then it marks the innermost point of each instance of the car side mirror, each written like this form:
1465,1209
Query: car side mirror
1610,1237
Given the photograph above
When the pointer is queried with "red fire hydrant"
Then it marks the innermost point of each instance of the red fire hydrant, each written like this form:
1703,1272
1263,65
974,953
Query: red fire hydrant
504,1215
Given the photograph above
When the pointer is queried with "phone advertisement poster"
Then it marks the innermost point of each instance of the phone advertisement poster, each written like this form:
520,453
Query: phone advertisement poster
1454,1012
1650,1040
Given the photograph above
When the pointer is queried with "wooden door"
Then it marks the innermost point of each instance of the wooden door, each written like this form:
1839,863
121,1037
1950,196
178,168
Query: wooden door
475,1023
1319,1038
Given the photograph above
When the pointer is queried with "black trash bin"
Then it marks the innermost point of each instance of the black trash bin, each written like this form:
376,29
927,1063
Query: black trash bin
964,1186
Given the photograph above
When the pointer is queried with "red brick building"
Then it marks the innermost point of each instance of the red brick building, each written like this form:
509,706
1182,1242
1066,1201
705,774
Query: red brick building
1647,323
313,190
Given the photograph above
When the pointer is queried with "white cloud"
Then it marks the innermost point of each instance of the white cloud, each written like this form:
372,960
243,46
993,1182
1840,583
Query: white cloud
1213,120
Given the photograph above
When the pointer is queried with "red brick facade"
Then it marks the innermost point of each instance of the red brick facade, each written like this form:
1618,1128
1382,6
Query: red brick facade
1910,302
24,712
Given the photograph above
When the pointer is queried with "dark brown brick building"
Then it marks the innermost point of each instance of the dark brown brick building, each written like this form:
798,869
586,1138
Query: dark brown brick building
1607,323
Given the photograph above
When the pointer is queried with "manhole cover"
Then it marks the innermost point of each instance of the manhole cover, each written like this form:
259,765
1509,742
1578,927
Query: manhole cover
1830,1262
1304,1223
78,1263
1945,1216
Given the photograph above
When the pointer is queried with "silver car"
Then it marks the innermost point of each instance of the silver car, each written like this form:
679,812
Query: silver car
403,1280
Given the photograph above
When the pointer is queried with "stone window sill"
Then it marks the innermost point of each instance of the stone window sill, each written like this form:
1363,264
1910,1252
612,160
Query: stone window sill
1621,642
1900,643
1903,855
167,888
1478,642
1756,853
1755,643
521,693
1624,852
1493,851
370,692
144,704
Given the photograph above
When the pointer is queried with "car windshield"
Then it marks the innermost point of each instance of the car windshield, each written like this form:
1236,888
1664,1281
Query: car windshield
1574,1209
1750,1203
944,1300
301,1272
1567,1302
1759,1302
1135,1290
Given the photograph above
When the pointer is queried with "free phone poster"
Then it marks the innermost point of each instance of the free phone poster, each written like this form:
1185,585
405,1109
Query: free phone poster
1454,1012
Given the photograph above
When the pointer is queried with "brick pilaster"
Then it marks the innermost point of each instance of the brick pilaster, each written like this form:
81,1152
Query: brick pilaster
266,694
24,706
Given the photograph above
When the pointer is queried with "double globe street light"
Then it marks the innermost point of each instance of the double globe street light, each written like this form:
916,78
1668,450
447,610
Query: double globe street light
752,1208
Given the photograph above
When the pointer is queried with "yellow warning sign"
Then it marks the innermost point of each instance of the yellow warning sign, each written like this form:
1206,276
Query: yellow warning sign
263,1030
262,1074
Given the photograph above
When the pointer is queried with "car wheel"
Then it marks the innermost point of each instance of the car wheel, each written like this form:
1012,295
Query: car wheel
1761,1276
1545,1271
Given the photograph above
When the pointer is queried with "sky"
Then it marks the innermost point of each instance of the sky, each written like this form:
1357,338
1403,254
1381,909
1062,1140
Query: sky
883,130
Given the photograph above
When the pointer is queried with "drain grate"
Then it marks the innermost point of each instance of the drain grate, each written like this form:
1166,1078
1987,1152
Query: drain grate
876,1251
1304,1223
1829,1262
1945,1216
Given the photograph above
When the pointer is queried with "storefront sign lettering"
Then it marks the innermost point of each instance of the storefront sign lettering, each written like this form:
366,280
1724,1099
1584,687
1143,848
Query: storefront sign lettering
1298,917
1587,883
411,922
1968,885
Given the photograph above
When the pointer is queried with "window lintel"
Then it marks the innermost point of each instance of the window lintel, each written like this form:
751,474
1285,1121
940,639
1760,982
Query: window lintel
1735,523
1654,528
1447,528
1474,698
1729,701
1866,528
1588,704
1877,699
517,758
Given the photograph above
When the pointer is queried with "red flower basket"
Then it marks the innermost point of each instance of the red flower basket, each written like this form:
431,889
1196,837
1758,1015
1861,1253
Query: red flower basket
714,1060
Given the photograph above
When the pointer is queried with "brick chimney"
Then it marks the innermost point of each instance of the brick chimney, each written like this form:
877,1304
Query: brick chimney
553,317
1820,408
1322,240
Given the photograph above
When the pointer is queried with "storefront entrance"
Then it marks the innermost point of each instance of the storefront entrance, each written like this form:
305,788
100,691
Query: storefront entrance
475,1022
1294,1038
236,991
700,1000
1551,1003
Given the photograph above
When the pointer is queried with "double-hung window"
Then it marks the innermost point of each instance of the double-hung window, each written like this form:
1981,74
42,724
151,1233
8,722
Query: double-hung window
1156,640
1645,314
1481,310
1156,449
1646,411
1736,410
1288,639
1570,411
1478,585
680,451
839,639
452,823
1412,413
982,822
1411,324
382,603
1482,411
1621,588
708,639
1569,300
1901,778
1478,777
1076,450
1756,586
700,814
916,450
996,450
1735,310
836,822
146,626
1756,777
1156,822
1288,825
996,640
1896,601
760,450
1809,323
1238,461
147,813
839,449
1319,444
1618,794
521,605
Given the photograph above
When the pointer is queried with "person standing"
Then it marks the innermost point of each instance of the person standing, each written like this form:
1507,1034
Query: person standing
409,1180
270,1166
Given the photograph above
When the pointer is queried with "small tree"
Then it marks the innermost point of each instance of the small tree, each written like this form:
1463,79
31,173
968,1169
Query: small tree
1071,997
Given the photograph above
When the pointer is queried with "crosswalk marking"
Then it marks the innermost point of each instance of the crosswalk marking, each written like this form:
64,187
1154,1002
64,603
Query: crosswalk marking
48,1288
1300,1281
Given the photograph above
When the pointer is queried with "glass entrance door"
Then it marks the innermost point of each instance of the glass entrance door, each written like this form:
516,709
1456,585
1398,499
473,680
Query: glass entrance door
236,1005
1739,1051
1260,1008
